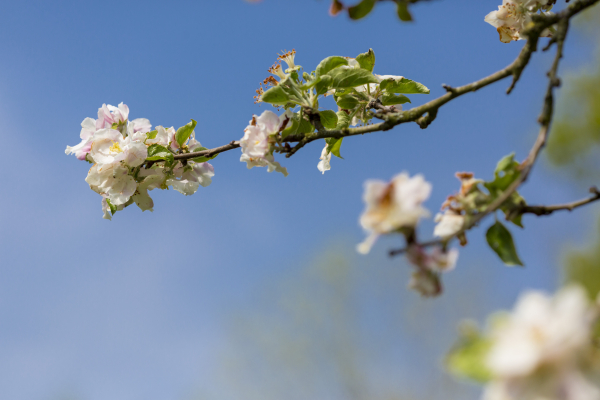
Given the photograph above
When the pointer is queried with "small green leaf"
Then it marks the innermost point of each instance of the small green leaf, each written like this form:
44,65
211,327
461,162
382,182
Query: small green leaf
501,241
151,134
291,128
347,102
202,159
402,10
157,152
467,358
329,119
403,85
113,209
323,84
389,99
344,120
361,9
334,145
349,78
276,96
183,133
507,171
330,63
366,60
305,126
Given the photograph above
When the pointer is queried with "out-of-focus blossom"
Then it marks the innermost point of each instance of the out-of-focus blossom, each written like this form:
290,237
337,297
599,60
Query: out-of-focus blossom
448,224
544,349
392,205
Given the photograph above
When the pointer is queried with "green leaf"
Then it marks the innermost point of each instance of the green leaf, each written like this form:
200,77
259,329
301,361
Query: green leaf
113,209
329,119
366,60
402,10
183,133
467,358
507,171
515,200
323,84
403,85
305,126
151,134
157,152
389,99
501,241
291,128
334,145
344,120
276,96
361,9
349,78
330,63
347,102
202,159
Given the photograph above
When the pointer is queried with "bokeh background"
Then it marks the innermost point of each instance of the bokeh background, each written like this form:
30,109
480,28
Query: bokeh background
251,288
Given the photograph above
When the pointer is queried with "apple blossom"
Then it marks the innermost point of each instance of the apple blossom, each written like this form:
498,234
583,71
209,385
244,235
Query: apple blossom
542,350
88,128
109,146
256,144
392,206
111,116
112,181
448,224
186,180
513,17
324,164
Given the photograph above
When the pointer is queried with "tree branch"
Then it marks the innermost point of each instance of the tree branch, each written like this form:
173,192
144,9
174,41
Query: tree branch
425,114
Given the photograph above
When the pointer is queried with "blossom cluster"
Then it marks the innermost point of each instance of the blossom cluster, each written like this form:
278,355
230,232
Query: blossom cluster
514,17
544,349
129,159
396,207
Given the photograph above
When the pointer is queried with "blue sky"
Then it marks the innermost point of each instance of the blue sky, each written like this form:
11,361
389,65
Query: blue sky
138,307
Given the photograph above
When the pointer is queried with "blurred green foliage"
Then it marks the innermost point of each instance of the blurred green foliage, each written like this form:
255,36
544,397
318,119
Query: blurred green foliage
574,142
574,146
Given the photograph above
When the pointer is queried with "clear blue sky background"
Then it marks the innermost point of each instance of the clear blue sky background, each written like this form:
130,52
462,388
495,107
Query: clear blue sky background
138,307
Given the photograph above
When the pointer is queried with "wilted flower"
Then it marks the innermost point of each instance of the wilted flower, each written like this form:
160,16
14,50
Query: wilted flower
513,17
448,224
391,206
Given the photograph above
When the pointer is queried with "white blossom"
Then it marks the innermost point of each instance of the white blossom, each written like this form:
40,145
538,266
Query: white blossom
437,260
542,349
152,179
513,17
324,164
110,115
257,141
88,128
186,180
391,206
448,224
112,181
109,146
163,136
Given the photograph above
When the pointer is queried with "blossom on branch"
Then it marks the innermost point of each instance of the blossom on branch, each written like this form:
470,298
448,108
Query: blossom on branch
325,163
391,206
514,16
259,138
544,349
